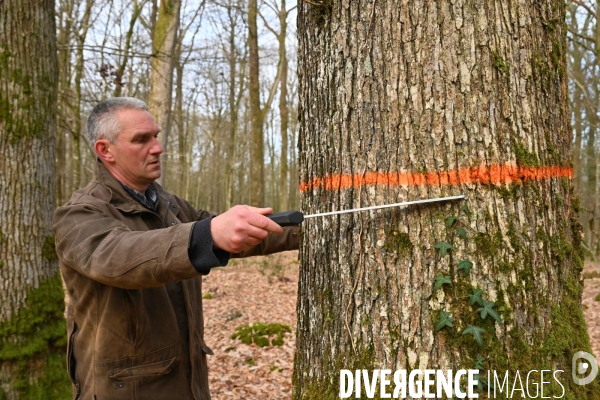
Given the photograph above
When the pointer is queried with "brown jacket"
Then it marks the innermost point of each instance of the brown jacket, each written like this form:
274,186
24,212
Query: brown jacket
134,318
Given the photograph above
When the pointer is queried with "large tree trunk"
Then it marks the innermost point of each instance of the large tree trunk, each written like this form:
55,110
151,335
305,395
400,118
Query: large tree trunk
419,99
32,328
161,81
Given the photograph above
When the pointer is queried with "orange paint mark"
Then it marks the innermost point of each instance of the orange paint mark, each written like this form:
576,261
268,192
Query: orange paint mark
497,174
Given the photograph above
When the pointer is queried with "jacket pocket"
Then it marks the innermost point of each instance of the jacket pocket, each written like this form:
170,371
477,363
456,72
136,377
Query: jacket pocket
145,371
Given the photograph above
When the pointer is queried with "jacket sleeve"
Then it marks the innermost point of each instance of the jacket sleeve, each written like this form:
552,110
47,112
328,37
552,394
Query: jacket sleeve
274,243
104,249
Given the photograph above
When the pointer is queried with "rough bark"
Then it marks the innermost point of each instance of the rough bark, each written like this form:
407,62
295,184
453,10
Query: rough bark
404,100
161,81
31,322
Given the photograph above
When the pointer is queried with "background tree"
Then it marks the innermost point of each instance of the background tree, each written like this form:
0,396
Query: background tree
409,100
584,70
164,44
257,156
108,49
32,327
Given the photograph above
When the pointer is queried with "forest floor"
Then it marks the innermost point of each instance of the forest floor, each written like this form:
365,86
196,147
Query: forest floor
264,289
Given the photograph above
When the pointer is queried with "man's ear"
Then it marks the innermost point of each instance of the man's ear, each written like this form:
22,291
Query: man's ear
102,147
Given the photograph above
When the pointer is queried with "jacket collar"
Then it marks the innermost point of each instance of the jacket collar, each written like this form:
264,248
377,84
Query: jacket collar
120,198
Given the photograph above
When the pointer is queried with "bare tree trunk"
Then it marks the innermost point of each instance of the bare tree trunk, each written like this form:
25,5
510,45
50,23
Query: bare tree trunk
32,327
161,83
137,10
183,164
233,101
408,100
153,17
576,104
294,203
284,186
76,108
64,118
257,172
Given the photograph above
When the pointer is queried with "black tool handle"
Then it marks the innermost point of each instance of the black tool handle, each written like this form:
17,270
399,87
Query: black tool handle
287,218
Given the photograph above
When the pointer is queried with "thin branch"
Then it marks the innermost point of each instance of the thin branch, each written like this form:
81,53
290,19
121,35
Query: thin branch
267,24
586,100
271,93
584,46
574,32
588,8
275,9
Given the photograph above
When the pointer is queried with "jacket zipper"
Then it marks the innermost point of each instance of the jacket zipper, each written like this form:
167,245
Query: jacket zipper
71,358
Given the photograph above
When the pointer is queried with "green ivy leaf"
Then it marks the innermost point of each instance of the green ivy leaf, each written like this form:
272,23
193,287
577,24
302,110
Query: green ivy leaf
440,280
445,320
465,265
450,221
443,247
464,209
481,382
475,297
476,331
479,363
462,233
488,308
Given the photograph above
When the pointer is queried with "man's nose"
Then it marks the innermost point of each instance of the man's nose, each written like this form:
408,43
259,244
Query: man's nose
156,147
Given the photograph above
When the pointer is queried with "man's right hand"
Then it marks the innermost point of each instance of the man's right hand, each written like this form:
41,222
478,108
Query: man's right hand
242,227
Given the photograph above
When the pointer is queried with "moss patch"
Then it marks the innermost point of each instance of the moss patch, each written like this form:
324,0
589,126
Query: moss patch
525,158
398,241
262,334
35,339
328,387
499,64
488,245
49,248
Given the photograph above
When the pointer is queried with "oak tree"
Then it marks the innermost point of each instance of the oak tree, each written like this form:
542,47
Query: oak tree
405,100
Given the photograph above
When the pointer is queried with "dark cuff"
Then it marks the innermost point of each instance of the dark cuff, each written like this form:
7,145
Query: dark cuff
200,249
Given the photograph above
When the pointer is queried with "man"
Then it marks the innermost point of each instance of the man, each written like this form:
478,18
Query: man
132,256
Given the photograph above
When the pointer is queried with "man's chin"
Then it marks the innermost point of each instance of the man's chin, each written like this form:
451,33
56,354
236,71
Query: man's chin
154,174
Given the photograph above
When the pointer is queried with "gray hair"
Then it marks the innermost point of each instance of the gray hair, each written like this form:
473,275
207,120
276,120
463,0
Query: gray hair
103,123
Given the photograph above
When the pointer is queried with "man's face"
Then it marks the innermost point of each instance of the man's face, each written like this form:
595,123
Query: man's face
137,150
